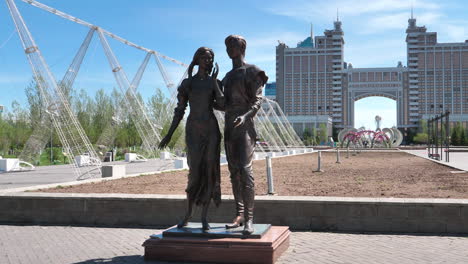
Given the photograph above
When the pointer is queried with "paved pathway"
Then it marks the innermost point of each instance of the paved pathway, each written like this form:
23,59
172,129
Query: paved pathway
457,159
63,173
80,245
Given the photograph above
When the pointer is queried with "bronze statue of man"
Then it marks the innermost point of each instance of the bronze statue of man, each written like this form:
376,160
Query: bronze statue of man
243,98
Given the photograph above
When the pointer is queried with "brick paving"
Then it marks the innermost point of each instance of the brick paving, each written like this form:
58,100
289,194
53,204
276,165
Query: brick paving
80,245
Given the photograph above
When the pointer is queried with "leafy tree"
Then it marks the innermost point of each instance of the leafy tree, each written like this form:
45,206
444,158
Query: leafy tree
36,104
422,126
322,134
420,138
456,135
308,137
157,106
411,133
102,115
463,139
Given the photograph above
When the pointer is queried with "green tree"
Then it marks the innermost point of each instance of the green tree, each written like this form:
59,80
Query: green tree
463,139
36,105
157,105
6,132
21,127
456,135
102,114
420,138
422,126
411,133
322,134
308,138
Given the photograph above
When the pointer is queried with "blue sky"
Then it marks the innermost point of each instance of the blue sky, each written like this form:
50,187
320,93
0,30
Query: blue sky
374,36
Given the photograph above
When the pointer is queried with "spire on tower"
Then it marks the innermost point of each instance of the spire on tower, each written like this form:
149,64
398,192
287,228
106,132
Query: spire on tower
337,23
311,31
312,34
412,20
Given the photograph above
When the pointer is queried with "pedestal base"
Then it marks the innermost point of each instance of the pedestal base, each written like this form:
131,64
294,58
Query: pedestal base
217,230
219,250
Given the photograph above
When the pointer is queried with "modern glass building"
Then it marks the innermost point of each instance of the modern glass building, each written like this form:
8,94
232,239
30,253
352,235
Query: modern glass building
270,91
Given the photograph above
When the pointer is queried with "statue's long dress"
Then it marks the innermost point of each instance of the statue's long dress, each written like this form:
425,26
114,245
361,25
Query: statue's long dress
203,139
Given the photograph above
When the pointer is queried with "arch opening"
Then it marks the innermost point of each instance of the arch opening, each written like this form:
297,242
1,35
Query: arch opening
366,108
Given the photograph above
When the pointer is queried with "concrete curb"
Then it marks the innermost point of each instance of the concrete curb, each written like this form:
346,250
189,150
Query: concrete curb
297,212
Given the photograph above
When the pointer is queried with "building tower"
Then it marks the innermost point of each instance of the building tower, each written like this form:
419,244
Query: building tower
413,36
438,75
308,79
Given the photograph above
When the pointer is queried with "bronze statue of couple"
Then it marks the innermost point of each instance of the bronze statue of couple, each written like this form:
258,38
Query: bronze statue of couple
239,95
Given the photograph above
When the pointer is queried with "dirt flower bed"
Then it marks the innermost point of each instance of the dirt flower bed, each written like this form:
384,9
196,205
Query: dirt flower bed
368,174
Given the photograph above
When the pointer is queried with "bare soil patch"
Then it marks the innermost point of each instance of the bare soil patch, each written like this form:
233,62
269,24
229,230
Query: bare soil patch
368,174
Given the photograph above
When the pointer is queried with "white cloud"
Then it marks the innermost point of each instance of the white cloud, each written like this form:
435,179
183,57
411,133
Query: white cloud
309,10
376,53
455,33
397,21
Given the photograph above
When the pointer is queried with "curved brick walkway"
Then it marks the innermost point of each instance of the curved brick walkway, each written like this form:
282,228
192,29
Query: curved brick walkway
58,244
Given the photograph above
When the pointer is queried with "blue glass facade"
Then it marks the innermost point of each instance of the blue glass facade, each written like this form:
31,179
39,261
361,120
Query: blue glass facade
270,89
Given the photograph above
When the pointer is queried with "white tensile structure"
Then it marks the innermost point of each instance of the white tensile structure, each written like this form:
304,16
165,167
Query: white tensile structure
74,141
71,134
273,127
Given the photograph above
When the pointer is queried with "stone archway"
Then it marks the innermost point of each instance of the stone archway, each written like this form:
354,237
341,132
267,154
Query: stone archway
396,94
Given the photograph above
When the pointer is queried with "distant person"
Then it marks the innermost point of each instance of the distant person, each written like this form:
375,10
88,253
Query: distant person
202,135
243,98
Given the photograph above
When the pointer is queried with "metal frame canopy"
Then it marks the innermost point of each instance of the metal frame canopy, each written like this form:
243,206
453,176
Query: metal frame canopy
105,32
75,142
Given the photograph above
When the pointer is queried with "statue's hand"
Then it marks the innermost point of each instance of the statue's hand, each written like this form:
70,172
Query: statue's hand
239,121
164,142
215,72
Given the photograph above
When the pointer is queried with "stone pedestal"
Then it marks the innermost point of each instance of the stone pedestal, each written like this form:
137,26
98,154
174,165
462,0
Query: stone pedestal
214,247
181,163
113,171
82,160
9,164
129,157
165,155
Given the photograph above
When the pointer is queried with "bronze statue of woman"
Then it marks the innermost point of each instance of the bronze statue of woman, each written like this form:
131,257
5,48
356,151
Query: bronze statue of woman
203,93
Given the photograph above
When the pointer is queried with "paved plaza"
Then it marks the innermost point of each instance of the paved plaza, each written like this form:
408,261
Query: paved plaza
80,245
59,244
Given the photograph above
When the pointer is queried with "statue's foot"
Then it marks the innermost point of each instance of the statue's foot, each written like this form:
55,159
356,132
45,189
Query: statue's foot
238,221
248,228
182,223
205,226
